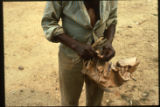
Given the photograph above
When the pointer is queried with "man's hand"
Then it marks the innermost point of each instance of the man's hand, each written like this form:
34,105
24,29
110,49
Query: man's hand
108,53
85,51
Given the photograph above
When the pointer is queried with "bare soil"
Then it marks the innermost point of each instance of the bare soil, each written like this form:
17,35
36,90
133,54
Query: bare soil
31,62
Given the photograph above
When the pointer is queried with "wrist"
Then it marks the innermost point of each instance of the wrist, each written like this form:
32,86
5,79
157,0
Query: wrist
107,46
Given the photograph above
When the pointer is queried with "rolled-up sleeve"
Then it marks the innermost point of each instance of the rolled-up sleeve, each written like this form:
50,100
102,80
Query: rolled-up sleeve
113,13
50,20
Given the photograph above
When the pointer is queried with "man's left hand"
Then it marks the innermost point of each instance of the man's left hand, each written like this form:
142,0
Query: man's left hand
108,53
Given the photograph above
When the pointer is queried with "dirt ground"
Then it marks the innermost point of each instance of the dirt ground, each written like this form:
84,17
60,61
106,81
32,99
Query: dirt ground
31,63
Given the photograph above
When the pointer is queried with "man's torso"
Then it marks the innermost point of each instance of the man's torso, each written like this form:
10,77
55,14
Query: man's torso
84,22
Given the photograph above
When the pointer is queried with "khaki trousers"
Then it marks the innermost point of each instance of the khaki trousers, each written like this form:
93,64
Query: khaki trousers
71,83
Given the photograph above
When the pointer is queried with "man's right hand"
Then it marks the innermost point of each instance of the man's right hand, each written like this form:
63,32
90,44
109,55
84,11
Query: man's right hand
85,51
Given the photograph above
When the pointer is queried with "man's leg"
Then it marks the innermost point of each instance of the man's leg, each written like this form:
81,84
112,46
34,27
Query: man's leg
94,93
71,80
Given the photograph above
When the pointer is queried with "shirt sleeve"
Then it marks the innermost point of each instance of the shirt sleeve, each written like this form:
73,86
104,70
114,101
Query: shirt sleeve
113,13
50,20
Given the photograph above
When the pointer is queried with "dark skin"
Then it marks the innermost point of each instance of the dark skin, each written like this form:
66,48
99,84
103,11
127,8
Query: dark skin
108,50
85,51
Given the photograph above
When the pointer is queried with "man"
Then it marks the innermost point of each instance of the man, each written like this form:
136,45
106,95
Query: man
83,22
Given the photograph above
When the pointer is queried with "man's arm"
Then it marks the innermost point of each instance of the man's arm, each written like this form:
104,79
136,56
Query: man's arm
55,33
110,32
50,19
108,50
111,22
85,51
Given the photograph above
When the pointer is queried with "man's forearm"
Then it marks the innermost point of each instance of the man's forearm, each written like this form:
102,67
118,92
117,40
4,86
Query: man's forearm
83,50
67,40
110,32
